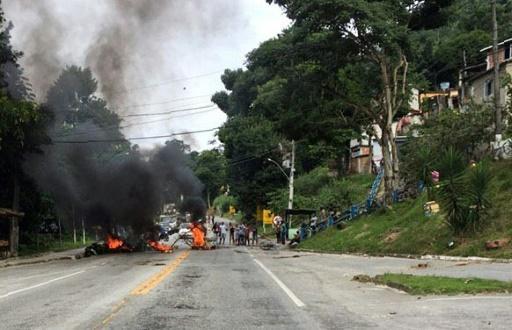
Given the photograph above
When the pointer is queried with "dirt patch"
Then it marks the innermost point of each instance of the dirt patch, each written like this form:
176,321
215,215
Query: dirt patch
361,235
392,235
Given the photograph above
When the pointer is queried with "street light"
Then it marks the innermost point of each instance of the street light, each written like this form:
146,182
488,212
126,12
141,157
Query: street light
289,177
282,171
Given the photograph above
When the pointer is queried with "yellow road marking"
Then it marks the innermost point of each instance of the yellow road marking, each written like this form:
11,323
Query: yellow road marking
153,281
115,310
146,286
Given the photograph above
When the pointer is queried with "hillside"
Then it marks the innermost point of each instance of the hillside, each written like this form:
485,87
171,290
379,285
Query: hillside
405,229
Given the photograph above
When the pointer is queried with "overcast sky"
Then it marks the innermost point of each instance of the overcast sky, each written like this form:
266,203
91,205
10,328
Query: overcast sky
173,53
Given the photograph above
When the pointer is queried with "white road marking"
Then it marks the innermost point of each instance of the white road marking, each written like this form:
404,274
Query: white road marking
40,284
286,290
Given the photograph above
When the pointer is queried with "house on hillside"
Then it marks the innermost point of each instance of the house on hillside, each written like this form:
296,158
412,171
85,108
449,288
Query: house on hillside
366,152
477,82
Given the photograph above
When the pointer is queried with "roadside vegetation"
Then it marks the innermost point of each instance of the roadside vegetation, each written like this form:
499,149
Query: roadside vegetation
319,189
404,228
441,285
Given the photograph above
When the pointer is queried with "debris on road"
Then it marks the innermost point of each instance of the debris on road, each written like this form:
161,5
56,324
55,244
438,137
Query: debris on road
421,265
362,278
267,245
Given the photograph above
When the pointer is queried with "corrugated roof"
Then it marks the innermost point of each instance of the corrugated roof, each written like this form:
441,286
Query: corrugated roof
500,44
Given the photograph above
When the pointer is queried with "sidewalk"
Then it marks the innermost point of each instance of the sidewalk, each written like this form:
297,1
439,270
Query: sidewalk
40,258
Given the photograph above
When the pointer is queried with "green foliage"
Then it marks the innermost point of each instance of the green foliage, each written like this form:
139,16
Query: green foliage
248,142
223,202
405,229
466,132
210,168
317,189
453,189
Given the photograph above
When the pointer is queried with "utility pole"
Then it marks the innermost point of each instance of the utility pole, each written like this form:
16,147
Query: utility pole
495,59
290,181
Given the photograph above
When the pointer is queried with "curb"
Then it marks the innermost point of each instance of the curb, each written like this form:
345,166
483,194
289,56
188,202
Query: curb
37,261
413,256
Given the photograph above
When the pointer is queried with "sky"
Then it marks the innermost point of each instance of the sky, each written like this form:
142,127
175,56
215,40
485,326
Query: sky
149,56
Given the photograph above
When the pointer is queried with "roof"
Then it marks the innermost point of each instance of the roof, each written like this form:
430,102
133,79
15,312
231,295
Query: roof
500,44
10,213
477,75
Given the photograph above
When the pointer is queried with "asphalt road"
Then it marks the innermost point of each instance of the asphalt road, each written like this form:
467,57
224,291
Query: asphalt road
237,288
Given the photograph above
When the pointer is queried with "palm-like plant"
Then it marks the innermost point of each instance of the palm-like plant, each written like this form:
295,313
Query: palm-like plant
479,178
453,189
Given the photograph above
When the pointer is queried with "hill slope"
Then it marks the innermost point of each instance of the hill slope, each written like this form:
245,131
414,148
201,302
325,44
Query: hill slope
405,229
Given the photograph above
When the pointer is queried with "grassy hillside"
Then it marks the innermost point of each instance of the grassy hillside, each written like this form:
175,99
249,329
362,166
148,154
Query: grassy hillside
404,229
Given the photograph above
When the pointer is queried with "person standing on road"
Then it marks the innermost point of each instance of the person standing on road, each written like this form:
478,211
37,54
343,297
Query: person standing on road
231,234
277,227
223,233
283,232
241,235
254,235
248,231
236,232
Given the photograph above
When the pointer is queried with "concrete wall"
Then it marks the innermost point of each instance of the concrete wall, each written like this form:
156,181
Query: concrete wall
475,89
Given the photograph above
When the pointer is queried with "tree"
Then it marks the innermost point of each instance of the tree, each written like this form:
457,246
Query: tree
248,142
210,168
376,35
20,131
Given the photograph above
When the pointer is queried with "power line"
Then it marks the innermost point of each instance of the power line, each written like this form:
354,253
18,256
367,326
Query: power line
161,103
168,112
115,127
166,82
132,138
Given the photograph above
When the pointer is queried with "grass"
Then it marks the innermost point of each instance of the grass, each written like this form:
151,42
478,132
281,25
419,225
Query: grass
53,245
404,229
440,285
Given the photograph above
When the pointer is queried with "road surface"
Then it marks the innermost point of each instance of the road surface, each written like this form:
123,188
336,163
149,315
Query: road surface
237,288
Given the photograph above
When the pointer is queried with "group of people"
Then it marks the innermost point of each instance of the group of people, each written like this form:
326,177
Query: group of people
239,234
326,219
281,229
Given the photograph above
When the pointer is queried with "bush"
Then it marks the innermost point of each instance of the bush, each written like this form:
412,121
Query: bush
466,132
316,190
463,192
223,202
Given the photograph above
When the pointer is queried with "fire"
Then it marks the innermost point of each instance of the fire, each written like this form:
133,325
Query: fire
113,243
157,246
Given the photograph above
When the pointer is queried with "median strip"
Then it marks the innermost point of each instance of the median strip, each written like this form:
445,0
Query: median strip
437,285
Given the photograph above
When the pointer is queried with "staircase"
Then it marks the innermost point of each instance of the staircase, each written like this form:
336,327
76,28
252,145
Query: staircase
375,188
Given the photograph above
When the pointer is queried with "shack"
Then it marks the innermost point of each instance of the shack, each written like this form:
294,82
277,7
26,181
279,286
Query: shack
9,232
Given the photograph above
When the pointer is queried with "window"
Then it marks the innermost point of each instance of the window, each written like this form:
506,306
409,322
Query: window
488,88
507,52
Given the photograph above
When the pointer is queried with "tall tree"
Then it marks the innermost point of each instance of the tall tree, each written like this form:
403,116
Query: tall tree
377,40
210,168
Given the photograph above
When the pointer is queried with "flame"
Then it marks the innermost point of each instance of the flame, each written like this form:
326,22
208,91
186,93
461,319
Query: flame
157,246
113,243
198,241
